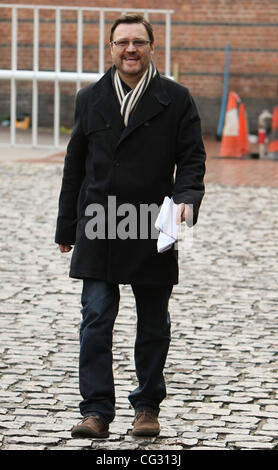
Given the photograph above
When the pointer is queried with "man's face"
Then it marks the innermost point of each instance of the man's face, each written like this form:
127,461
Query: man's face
131,61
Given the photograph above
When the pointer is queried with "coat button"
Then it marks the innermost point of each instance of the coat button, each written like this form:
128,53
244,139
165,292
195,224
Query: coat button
116,163
107,125
147,124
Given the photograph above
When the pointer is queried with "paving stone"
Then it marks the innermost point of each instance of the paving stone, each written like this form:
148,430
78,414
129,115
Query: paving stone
196,416
168,432
157,447
270,426
210,447
273,434
199,435
242,407
34,440
262,414
77,444
226,430
29,412
188,442
214,422
240,419
234,399
213,443
271,408
20,432
22,447
244,437
214,410
254,445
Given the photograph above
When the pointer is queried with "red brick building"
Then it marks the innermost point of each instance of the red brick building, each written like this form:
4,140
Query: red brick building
200,31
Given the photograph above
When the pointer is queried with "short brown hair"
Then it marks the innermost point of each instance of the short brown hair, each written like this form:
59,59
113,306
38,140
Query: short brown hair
132,18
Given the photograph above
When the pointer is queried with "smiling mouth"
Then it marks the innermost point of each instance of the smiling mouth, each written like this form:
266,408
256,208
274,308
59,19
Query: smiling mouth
131,57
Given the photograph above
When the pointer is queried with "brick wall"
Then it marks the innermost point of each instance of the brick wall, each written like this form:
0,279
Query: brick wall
200,31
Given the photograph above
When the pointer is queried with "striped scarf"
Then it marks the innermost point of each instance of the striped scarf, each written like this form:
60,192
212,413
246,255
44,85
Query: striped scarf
128,100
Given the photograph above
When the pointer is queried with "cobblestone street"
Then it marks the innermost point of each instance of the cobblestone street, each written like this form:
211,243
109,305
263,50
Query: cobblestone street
221,371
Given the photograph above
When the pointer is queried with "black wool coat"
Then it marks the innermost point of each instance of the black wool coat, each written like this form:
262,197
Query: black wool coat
160,153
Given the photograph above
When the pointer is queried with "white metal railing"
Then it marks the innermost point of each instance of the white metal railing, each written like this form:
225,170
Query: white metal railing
57,76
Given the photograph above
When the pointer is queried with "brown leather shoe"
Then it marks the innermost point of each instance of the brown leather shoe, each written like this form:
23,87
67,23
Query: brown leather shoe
145,424
91,426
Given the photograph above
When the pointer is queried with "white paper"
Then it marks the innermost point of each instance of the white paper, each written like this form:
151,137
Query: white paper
166,224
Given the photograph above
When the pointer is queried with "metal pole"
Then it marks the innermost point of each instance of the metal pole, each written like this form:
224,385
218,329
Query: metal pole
56,84
101,42
13,82
48,76
224,93
35,82
79,64
168,45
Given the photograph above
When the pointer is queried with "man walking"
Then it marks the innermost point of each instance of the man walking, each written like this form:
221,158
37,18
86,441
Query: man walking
136,139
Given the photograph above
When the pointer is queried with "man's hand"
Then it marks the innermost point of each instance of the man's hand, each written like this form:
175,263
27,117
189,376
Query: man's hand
184,213
65,248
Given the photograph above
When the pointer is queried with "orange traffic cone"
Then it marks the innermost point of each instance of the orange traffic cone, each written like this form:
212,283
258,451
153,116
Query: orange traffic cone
230,144
273,139
243,131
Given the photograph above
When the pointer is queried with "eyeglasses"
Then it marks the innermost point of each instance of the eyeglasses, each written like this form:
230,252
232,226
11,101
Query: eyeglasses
139,43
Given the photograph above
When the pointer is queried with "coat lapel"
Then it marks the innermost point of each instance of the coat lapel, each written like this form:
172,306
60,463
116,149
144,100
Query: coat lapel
105,102
152,103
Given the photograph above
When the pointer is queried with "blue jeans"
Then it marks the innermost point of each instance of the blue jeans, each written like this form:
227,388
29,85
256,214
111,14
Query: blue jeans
100,302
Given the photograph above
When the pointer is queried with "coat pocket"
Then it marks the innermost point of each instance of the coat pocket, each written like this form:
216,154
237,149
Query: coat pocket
99,128
97,125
